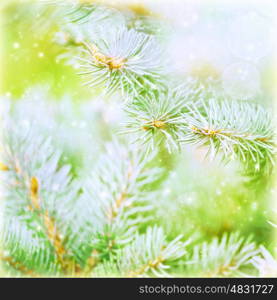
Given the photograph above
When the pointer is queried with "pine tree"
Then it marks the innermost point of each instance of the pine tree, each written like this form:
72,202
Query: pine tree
100,218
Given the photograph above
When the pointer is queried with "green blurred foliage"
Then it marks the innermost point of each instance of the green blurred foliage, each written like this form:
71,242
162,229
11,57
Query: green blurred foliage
30,55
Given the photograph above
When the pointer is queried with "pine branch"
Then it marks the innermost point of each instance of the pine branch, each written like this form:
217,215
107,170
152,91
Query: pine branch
125,60
237,129
115,196
155,118
148,255
49,224
100,225
158,255
130,61
25,249
33,185
221,258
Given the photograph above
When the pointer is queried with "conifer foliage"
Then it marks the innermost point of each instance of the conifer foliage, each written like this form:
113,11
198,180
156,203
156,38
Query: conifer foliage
98,217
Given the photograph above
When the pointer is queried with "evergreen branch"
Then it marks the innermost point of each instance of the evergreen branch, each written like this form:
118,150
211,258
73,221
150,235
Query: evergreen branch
149,254
136,261
115,195
237,129
49,224
54,225
30,179
124,59
219,258
156,118
24,249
